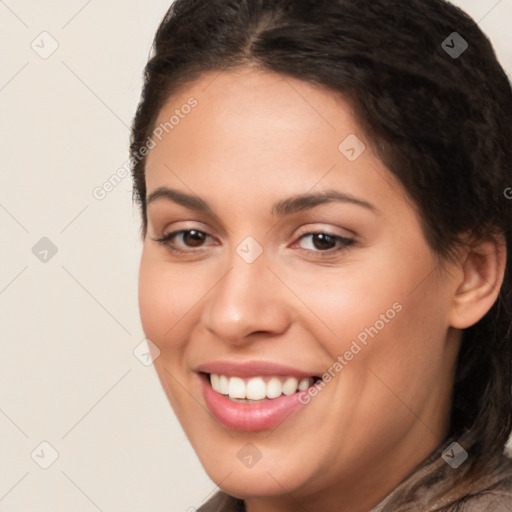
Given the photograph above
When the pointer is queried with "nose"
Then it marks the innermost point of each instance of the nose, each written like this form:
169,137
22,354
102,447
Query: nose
249,299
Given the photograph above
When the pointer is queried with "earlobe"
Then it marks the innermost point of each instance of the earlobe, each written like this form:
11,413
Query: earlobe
483,271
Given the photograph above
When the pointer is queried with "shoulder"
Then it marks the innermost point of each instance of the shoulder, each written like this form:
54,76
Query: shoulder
495,493
493,501
484,486
492,492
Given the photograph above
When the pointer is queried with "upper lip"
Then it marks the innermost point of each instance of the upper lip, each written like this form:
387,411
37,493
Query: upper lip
251,369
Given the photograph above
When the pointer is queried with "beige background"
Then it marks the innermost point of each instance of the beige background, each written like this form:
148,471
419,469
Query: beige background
68,374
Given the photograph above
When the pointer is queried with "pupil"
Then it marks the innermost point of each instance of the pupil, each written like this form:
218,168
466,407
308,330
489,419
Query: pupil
193,238
325,241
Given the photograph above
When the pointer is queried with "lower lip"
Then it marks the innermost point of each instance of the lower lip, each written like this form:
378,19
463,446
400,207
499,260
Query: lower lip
248,417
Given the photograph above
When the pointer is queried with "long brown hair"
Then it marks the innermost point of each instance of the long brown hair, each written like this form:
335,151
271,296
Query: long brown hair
441,123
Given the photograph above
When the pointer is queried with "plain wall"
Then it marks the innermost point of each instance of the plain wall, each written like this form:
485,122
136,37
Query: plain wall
70,324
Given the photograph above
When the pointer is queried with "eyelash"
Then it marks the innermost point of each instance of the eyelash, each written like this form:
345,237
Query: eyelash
346,243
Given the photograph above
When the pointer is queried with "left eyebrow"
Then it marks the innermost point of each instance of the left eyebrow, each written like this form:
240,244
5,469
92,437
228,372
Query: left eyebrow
307,201
281,208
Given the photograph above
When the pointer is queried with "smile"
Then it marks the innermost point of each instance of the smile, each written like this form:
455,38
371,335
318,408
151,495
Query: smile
253,400
258,388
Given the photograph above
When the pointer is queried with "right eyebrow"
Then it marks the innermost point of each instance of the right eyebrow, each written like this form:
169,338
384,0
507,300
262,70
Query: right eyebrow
186,200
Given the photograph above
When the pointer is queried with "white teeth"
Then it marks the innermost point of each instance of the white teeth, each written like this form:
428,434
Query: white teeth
223,385
274,388
256,388
215,381
304,384
236,388
290,386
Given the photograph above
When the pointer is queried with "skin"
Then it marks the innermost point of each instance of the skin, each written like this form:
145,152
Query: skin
256,138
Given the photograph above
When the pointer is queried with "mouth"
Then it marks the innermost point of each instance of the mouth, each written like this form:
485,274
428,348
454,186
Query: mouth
256,389
253,403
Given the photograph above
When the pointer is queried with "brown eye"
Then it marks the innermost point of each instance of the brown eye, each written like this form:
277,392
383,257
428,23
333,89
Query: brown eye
324,242
180,241
193,238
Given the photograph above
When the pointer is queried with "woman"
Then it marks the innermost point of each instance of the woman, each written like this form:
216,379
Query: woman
326,267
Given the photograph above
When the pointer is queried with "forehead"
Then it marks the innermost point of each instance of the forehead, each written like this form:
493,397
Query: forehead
252,105
259,134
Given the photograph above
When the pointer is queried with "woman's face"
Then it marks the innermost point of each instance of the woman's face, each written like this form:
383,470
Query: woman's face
298,256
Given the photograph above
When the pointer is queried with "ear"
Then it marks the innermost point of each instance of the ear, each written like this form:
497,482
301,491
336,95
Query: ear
482,271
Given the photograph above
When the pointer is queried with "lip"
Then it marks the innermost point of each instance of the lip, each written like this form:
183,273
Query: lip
253,417
252,369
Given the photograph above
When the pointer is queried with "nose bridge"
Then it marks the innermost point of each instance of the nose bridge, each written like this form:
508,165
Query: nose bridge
246,299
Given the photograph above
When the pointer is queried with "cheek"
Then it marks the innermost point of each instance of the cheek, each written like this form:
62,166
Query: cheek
165,305
152,300
167,297
405,361
354,298
390,317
